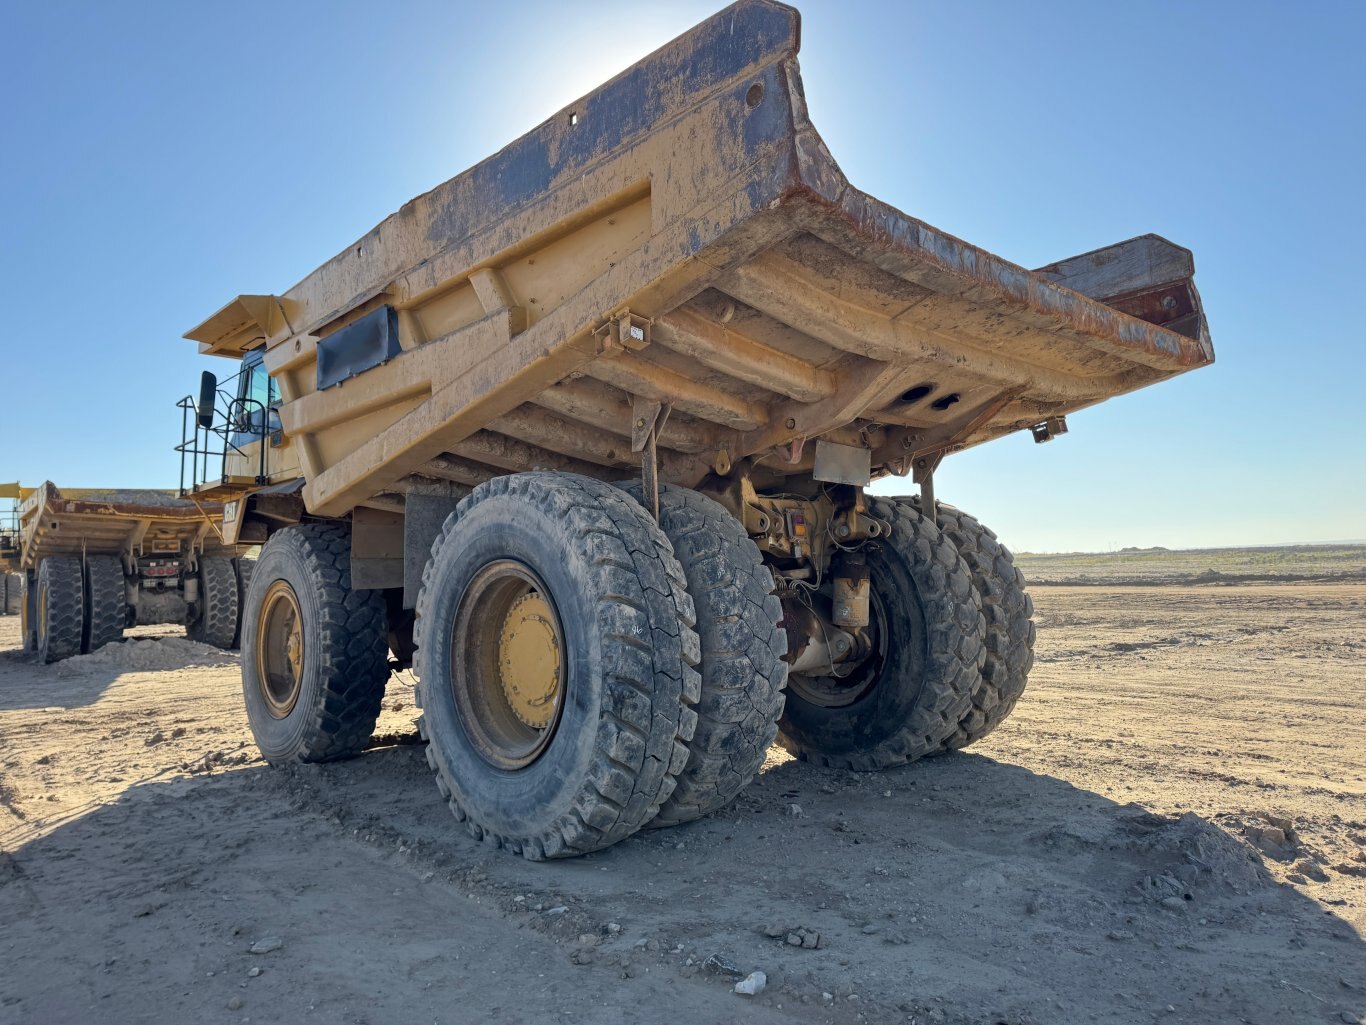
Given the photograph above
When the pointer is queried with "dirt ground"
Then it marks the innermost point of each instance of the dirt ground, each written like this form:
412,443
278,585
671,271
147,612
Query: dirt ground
1172,828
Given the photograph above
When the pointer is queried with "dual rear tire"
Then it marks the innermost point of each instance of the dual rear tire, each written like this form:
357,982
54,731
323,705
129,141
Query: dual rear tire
954,644
76,606
906,697
1008,621
557,650
557,660
743,648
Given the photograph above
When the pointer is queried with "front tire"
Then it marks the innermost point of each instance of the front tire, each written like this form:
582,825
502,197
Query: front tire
60,608
909,695
556,661
314,659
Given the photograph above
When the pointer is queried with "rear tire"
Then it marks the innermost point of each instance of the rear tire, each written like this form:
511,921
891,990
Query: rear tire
554,762
28,614
59,608
908,697
1009,623
105,602
743,647
314,658
216,623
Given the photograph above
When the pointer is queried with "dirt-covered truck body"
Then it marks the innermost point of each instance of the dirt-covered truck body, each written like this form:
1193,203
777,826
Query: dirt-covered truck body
95,561
668,286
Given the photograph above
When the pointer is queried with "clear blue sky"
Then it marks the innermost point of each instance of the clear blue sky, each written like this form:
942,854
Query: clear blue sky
159,158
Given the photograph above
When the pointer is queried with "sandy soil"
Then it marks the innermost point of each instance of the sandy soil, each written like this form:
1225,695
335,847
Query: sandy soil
1172,828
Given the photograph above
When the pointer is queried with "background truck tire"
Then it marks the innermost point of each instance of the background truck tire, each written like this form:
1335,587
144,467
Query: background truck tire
323,707
216,623
921,677
743,672
28,614
616,719
59,608
105,602
244,569
12,593
1009,613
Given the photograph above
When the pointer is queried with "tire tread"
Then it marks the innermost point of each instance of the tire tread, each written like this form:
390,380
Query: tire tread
61,575
638,583
1009,613
218,603
955,629
105,602
351,643
743,647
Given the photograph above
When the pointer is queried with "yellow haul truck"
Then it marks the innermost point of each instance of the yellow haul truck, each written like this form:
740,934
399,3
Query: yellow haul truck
583,435
95,561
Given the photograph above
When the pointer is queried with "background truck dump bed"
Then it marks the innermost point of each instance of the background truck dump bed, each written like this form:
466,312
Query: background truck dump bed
93,561
110,521
682,237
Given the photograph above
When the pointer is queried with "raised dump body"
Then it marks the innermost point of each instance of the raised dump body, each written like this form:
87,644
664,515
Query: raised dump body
669,282
682,236
98,560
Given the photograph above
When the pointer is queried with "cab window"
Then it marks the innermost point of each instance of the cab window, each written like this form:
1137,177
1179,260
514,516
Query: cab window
257,387
257,396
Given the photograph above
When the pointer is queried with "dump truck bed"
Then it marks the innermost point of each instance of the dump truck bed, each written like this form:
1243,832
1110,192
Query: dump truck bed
681,237
106,521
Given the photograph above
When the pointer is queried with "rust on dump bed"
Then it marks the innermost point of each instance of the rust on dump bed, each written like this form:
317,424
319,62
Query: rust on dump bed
681,239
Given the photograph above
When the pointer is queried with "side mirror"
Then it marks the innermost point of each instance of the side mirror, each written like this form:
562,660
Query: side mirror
208,391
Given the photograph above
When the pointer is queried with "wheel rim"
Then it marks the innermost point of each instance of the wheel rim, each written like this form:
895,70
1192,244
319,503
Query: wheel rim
863,676
508,666
41,631
280,649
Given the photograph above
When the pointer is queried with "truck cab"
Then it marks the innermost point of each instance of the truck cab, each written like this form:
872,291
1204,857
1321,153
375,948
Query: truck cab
232,440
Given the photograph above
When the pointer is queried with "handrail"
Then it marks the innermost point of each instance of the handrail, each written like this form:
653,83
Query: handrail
206,448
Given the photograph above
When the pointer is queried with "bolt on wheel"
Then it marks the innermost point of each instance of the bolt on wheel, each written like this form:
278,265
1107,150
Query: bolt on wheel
280,649
509,681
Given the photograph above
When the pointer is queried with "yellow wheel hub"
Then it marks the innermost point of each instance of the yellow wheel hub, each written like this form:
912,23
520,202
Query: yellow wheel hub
529,660
280,649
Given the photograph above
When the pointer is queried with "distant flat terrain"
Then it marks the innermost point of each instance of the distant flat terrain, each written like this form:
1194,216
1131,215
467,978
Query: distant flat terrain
1340,563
